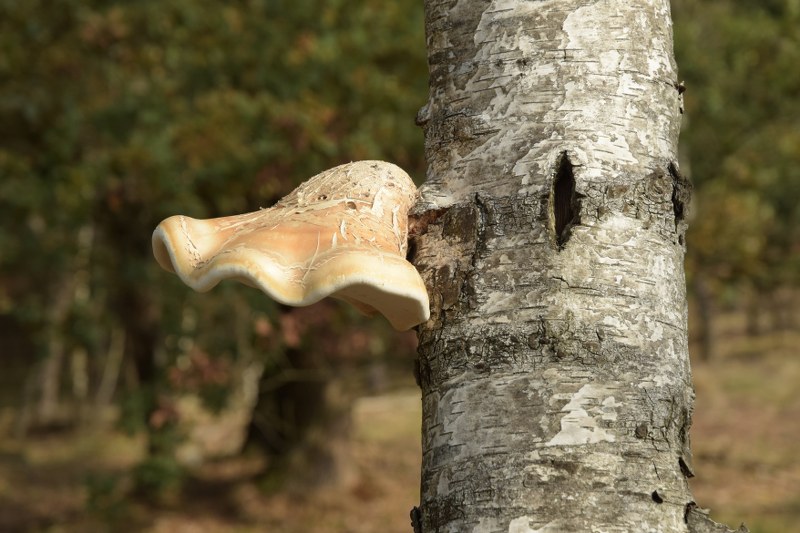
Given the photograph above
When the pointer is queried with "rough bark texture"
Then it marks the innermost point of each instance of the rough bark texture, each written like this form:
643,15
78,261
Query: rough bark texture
555,372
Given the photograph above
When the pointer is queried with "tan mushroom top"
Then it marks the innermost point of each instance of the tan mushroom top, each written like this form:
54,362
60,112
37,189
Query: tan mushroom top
342,233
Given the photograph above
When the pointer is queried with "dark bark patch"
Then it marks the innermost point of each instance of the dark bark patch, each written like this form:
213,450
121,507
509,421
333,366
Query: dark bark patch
460,223
641,431
683,439
416,519
686,470
568,466
411,250
458,129
688,509
441,511
681,196
533,340
565,202
448,284
418,224
657,497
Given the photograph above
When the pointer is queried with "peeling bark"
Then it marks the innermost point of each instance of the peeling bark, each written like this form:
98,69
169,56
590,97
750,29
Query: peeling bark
554,369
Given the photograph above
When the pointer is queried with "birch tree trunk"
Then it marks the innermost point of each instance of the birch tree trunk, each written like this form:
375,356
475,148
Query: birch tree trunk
554,370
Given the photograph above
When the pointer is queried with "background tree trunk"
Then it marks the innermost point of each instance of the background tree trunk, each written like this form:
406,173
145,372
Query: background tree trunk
554,370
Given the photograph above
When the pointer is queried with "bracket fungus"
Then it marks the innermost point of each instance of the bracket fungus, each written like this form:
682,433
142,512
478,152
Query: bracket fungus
342,233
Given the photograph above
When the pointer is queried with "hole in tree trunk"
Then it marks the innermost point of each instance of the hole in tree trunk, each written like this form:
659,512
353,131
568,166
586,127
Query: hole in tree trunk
565,201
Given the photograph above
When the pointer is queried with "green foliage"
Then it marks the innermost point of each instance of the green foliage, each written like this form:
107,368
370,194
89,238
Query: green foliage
105,497
739,60
158,478
135,407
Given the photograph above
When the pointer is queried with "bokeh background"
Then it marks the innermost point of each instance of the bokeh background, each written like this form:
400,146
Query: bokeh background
130,403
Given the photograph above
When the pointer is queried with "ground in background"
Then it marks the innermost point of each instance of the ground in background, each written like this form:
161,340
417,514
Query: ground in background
745,438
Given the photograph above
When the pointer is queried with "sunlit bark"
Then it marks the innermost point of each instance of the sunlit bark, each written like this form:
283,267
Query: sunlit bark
555,372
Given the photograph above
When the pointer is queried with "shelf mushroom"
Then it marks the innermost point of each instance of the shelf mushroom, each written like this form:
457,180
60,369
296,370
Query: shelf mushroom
342,233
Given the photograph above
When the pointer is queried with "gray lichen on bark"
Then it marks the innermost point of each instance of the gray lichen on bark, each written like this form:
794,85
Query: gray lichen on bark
556,386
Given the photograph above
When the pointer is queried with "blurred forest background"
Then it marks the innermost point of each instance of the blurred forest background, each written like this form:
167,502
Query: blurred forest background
129,402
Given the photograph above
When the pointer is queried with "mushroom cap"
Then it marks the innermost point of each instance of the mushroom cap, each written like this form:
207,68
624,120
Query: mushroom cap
342,233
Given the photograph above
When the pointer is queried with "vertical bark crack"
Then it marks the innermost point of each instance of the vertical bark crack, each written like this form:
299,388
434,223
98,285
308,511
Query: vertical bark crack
681,195
480,228
565,202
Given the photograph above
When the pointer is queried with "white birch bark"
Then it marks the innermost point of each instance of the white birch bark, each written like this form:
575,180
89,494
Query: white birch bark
555,374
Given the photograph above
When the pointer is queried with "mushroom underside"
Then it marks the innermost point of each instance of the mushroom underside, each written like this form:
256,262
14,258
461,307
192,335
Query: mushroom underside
368,279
